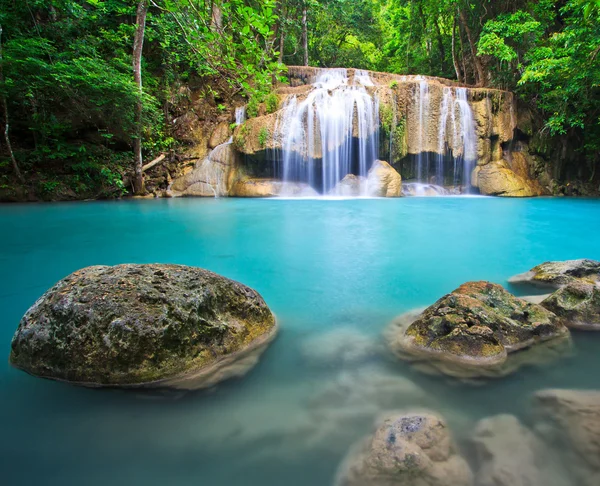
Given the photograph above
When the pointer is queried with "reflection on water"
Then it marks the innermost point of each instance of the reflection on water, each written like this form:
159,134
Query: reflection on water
336,273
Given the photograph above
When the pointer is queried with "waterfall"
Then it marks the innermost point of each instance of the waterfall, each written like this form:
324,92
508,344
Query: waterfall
461,137
240,115
423,120
446,102
330,132
467,135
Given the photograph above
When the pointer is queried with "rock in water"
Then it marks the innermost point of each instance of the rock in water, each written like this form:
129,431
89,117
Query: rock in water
506,452
408,449
573,424
577,300
475,326
558,274
383,180
577,304
143,326
350,186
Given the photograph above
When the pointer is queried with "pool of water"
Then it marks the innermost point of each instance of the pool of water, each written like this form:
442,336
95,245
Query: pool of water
335,272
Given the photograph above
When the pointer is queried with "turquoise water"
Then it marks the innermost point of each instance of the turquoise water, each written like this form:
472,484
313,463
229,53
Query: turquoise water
334,271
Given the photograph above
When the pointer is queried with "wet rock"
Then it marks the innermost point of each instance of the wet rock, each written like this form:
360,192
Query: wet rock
383,180
577,304
220,135
507,453
407,449
473,329
559,273
417,189
499,179
349,186
143,326
270,188
571,418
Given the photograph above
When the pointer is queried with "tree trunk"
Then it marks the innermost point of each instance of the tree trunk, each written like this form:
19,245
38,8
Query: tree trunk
440,42
454,58
480,81
305,33
6,120
138,43
217,16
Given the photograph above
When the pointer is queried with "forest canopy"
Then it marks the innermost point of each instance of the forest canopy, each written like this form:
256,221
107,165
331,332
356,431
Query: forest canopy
69,98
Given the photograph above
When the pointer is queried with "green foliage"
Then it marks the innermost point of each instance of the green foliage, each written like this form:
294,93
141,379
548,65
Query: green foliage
272,102
263,136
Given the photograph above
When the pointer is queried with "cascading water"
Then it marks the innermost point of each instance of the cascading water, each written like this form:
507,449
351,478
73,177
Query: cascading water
240,115
330,133
423,120
456,130
467,134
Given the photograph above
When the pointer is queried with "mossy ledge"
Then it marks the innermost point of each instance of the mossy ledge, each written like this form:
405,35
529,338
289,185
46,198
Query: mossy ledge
143,326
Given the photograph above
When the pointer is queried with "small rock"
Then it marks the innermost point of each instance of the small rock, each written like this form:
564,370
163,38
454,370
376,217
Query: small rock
407,449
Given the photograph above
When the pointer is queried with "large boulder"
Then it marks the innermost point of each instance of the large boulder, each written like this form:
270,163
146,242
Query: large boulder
572,419
577,304
383,180
559,273
474,327
499,179
507,453
408,449
577,300
143,326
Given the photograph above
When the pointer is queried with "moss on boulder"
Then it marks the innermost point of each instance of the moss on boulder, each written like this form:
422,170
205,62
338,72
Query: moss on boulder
577,304
143,325
475,326
559,273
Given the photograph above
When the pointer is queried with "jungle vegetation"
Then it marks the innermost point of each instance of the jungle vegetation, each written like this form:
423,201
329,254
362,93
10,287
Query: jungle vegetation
89,89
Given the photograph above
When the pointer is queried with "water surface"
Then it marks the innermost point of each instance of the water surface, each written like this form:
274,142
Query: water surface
334,271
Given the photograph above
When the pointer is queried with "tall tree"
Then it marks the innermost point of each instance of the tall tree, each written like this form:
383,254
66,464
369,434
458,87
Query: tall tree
305,32
138,44
6,119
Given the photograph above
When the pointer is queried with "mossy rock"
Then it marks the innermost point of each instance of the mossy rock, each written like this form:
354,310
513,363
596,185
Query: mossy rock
476,325
143,325
559,273
577,304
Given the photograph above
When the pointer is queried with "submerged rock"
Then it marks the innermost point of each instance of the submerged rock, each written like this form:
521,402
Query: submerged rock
559,273
408,449
473,329
143,326
506,453
572,419
383,180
